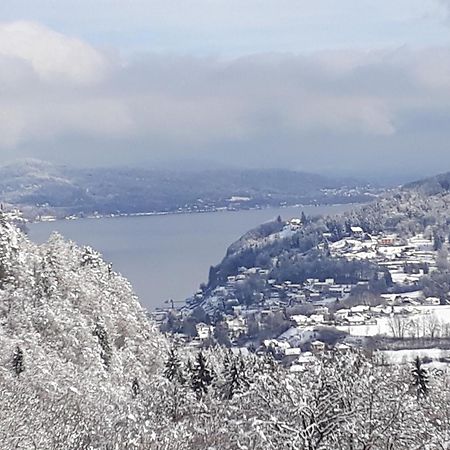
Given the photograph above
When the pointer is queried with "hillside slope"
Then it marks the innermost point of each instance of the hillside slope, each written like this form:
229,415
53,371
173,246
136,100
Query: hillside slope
302,253
81,368
41,188
431,186
74,339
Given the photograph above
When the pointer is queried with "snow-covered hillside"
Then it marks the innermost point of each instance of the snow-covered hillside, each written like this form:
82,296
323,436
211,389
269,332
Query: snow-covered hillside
74,339
82,368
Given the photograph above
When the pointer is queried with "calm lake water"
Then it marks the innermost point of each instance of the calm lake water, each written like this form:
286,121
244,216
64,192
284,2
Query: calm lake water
167,256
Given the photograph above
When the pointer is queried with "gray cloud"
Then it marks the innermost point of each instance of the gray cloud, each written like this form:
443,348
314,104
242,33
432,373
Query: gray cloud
64,99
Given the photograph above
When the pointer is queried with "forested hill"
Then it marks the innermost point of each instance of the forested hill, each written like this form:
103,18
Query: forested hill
431,186
82,368
299,254
41,188
74,341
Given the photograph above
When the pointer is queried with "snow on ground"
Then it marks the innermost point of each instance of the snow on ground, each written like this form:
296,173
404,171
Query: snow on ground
285,233
407,356
299,335
391,252
384,325
381,327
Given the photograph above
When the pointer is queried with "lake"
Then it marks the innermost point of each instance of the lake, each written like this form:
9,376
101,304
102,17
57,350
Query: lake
167,256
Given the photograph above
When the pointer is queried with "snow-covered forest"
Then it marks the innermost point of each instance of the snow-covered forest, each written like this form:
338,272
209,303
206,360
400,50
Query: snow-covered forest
82,367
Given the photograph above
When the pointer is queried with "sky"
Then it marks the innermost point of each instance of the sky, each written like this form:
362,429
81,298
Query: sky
352,87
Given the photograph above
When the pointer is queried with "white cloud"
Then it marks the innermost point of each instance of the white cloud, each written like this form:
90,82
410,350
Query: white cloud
57,89
52,55
50,86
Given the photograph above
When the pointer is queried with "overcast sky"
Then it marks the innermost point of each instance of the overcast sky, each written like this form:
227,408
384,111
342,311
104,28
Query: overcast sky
353,86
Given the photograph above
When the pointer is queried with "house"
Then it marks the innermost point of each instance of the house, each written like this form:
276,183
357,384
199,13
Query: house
388,241
301,363
240,351
356,319
297,368
322,310
299,319
318,346
295,221
381,310
277,347
317,318
295,224
357,232
292,351
342,314
204,331
314,297
306,358
359,309
237,326
433,300
342,348
321,287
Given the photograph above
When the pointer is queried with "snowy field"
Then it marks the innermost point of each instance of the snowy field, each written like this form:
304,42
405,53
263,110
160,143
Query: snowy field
407,356
386,326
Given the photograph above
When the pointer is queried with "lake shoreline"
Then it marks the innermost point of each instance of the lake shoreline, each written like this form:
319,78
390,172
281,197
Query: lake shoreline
206,211
167,256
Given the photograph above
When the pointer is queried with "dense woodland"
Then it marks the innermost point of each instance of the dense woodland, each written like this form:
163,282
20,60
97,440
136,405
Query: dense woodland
40,188
82,367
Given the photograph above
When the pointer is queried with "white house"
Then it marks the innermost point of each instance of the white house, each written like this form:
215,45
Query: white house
318,346
433,300
317,318
237,325
204,331
342,314
292,351
357,232
299,319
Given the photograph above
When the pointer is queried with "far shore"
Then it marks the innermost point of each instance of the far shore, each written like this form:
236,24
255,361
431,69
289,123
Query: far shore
49,218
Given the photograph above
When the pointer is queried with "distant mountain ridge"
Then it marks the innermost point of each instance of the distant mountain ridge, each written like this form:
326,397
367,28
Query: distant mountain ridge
432,185
41,188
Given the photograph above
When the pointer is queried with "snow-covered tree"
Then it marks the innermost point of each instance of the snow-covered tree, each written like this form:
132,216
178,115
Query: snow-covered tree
201,375
420,379
235,376
18,361
173,370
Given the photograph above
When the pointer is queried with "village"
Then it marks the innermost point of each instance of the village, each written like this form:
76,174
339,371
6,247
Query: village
320,315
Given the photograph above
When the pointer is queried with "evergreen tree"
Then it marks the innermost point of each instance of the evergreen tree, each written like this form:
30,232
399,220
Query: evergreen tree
135,388
173,371
304,219
17,361
438,240
420,379
221,335
235,376
201,377
103,340
176,392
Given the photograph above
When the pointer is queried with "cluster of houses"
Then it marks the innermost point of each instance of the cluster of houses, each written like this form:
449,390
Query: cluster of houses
406,260
271,295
